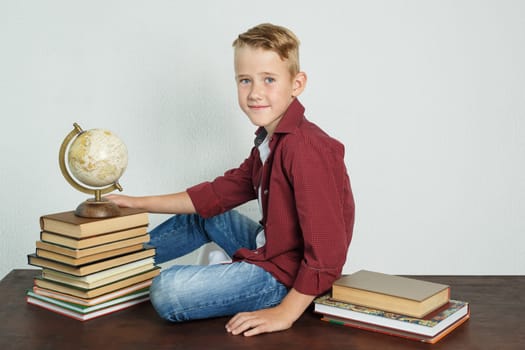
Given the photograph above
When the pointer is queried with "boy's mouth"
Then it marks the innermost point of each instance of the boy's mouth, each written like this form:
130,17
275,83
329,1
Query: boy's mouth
257,107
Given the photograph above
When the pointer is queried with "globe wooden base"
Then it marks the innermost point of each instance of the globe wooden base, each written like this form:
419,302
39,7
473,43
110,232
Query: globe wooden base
92,208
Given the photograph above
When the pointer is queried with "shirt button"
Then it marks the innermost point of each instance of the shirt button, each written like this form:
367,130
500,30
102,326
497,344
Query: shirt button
265,192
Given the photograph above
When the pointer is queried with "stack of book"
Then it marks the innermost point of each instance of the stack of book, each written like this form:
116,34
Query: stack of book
92,267
394,305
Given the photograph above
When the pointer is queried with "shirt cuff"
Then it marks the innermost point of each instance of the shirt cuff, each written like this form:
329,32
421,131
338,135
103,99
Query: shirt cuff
205,200
312,281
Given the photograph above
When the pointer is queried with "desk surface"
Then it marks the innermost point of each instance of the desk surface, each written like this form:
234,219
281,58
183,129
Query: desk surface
497,309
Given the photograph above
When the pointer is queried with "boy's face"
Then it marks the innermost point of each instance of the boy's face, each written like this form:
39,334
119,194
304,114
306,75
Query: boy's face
265,86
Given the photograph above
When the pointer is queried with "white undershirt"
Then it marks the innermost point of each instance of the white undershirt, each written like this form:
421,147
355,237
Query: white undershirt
218,256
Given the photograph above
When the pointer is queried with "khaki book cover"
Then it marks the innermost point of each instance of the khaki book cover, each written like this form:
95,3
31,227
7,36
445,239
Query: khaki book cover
93,241
96,292
144,285
77,282
97,276
90,268
80,253
68,260
68,224
407,296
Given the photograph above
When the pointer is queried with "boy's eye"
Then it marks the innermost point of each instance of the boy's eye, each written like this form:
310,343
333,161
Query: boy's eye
244,81
269,80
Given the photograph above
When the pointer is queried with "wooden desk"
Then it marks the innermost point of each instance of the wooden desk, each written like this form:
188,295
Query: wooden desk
497,308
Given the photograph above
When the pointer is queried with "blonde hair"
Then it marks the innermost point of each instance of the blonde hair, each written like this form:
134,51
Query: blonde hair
274,38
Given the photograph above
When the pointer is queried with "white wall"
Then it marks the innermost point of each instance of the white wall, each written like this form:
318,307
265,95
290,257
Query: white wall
428,96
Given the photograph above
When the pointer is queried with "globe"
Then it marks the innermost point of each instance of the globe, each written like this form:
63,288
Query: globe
97,157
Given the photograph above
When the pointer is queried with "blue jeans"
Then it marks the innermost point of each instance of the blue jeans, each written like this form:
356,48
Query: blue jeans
187,292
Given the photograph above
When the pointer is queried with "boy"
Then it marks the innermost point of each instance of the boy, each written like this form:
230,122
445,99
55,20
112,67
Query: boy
297,173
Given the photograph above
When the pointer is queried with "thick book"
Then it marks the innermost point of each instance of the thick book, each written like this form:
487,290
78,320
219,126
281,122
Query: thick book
96,292
46,254
408,296
92,301
394,332
83,316
75,281
94,241
428,326
82,309
97,249
97,276
68,224
87,269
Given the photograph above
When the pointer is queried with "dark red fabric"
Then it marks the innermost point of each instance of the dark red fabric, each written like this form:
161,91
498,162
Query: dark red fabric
308,206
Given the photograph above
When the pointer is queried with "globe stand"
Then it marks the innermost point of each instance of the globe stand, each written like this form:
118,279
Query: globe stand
97,207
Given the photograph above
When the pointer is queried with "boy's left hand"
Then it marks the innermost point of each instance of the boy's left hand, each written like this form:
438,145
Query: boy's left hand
273,319
262,321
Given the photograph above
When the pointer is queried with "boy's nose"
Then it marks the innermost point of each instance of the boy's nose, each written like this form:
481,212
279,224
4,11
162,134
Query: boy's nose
256,92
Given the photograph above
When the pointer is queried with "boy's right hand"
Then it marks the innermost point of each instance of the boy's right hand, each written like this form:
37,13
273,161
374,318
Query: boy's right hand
121,200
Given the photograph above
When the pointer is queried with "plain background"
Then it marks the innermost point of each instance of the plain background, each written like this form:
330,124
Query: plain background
427,96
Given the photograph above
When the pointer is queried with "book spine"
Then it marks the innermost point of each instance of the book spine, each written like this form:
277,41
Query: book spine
55,310
88,316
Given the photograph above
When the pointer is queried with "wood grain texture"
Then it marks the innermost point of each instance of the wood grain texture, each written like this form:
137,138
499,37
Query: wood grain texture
497,307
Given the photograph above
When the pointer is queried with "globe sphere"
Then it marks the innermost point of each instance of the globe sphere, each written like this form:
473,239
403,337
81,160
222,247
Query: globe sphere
97,157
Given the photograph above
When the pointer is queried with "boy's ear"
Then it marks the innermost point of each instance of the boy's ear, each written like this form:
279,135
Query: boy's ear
299,83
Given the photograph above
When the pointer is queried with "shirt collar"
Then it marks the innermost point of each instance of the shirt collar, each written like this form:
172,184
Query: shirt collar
260,136
293,116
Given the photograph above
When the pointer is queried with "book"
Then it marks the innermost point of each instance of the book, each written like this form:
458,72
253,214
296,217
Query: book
106,273
95,300
83,316
71,280
97,276
80,253
68,224
95,292
83,309
87,259
93,241
429,326
87,269
398,333
408,296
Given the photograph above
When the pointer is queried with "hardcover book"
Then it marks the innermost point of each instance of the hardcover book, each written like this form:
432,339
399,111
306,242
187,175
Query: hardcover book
95,292
87,269
93,241
97,276
83,316
395,332
95,300
429,326
68,260
392,293
96,249
68,224
75,281
82,309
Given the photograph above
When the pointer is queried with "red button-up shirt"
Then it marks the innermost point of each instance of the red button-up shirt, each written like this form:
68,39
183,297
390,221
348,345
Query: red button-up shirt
308,207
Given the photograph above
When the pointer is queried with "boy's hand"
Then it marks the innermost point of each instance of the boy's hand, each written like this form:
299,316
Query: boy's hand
262,321
120,200
274,319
